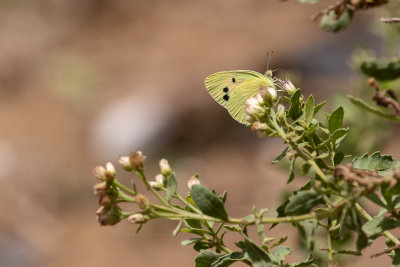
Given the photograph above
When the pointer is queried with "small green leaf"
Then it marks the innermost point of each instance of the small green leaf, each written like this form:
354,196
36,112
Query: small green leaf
396,258
208,202
337,159
201,244
374,198
307,263
177,228
280,253
335,120
379,224
190,241
303,202
257,255
281,156
206,258
308,1
291,171
309,109
382,70
280,242
171,186
295,105
318,107
360,103
312,129
331,23
383,164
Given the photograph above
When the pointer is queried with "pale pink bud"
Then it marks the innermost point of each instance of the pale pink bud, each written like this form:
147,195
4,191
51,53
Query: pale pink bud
100,172
192,181
165,168
138,218
125,163
137,160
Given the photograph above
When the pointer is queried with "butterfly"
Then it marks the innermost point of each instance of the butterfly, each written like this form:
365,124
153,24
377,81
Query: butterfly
231,89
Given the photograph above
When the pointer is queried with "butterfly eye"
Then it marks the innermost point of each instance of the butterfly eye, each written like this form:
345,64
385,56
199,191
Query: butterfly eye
226,97
233,80
226,89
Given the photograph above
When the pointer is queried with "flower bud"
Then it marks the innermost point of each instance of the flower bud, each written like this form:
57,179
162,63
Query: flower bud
138,218
110,171
137,160
254,106
108,215
155,185
289,87
259,126
280,112
160,179
192,181
165,168
125,163
142,201
269,95
100,173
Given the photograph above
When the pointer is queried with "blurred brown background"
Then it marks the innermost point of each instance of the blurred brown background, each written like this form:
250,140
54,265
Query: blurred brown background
83,82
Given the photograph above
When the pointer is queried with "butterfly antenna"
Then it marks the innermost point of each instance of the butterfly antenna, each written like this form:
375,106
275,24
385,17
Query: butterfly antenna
269,55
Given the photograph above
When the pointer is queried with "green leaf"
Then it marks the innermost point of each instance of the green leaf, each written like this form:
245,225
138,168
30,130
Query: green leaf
382,70
201,245
291,171
177,228
360,103
331,23
379,224
383,164
374,198
338,136
335,120
208,202
309,109
308,262
190,241
280,242
206,258
281,156
396,258
280,253
318,107
229,259
307,230
337,159
303,202
295,105
171,186
257,255
312,129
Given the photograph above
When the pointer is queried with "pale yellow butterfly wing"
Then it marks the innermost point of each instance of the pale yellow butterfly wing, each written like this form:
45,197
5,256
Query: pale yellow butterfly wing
222,84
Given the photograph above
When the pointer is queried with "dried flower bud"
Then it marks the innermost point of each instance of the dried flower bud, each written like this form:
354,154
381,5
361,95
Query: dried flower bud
125,163
100,188
137,160
108,215
289,87
192,181
142,201
100,173
110,171
165,168
259,126
269,95
138,218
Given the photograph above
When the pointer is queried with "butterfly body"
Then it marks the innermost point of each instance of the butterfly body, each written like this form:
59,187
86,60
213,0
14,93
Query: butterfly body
231,89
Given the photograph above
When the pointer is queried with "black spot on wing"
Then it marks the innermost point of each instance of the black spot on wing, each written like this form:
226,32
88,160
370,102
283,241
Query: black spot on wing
226,97
226,89
233,79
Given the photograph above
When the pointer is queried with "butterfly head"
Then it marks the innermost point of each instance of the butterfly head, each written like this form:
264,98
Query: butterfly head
268,74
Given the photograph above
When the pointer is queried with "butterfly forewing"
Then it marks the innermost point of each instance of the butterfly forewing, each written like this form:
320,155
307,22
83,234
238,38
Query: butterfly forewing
221,85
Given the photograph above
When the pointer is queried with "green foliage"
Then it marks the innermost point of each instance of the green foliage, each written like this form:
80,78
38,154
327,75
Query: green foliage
382,70
330,22
208,202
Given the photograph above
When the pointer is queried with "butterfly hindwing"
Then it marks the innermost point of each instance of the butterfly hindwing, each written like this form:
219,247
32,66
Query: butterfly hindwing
243,92
221,85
